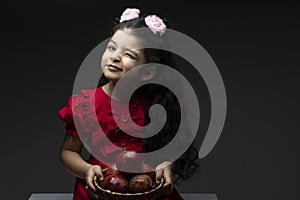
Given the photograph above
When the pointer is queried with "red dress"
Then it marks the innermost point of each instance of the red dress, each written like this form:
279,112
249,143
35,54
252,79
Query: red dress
89,118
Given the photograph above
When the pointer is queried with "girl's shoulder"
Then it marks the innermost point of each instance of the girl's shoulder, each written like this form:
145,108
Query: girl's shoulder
85,95
82,101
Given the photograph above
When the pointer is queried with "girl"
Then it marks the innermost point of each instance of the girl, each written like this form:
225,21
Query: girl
124,53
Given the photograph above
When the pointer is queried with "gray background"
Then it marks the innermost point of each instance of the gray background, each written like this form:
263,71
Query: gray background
255,46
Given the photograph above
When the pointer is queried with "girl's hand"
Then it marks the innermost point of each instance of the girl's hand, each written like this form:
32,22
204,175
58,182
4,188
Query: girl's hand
165,170
94,170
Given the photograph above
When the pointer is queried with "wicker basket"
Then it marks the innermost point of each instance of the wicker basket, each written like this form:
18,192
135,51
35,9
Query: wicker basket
152,194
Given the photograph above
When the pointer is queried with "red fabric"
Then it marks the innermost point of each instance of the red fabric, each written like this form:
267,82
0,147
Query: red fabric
174,196
86,112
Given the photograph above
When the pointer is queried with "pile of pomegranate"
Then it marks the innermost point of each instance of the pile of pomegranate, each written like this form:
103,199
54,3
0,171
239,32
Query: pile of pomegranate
117,180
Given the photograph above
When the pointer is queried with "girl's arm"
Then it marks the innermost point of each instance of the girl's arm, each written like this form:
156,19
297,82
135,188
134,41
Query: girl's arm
71,159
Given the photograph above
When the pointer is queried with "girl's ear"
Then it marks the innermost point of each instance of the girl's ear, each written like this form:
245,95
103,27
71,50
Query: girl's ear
148,73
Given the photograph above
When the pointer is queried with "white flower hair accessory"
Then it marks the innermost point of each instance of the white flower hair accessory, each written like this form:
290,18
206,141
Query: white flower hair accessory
130,13
155,24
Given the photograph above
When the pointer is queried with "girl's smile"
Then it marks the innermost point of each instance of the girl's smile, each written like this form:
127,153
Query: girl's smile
113,68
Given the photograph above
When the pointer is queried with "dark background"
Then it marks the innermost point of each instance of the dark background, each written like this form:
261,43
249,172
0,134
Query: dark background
254,45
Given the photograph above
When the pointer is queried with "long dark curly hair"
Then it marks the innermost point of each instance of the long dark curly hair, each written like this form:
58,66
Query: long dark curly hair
186,165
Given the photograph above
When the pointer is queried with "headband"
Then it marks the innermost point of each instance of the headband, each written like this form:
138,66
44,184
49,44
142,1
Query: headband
154,23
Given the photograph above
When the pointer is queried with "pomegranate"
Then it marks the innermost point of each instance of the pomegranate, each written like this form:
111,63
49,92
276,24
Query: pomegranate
150,171
111,171
115,183
129,161
140,183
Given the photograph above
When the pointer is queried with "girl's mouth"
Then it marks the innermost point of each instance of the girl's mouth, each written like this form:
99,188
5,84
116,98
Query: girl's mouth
114,68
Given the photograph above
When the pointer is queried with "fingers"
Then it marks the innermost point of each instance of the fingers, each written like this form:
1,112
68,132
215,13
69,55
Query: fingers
168,178
93,171
98,172
159,175
89,179
90,174
168,185
165,170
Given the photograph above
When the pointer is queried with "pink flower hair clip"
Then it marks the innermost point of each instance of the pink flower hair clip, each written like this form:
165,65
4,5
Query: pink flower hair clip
130,13
155,24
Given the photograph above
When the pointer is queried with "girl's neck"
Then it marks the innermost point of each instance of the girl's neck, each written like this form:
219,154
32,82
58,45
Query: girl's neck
109,88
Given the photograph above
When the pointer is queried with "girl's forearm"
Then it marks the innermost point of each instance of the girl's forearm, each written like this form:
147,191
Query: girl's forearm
74,163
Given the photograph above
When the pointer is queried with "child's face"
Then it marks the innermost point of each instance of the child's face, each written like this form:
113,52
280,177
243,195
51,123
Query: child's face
122,54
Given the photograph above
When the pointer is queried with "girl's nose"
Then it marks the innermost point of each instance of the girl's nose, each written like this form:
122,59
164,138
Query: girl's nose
115,57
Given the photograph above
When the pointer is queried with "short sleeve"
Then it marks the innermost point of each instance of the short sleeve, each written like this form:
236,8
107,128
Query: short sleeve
66,115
